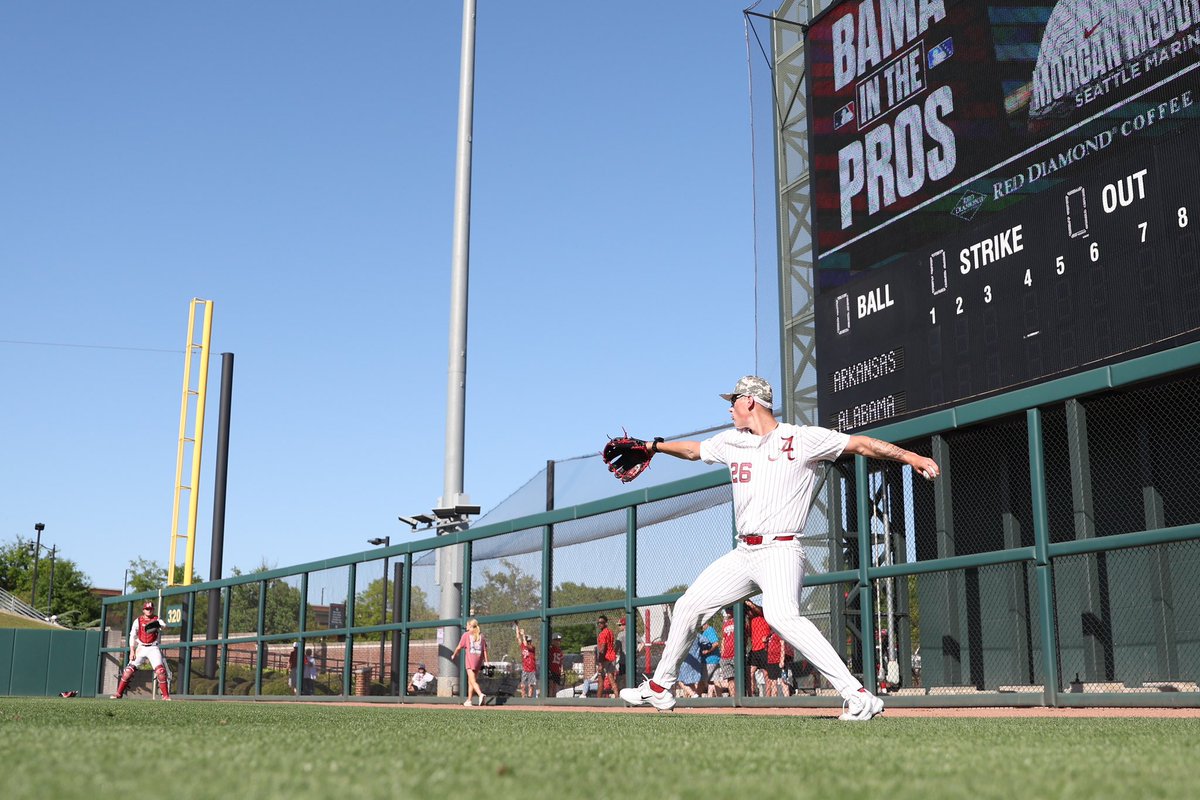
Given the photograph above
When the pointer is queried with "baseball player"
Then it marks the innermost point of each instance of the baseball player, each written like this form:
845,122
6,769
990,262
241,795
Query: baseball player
773,467
143,646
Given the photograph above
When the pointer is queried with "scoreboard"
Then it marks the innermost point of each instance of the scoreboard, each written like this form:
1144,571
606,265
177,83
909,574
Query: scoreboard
1004,193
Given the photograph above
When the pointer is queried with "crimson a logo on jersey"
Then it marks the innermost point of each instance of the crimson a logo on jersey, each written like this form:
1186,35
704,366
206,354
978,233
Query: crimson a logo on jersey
786,448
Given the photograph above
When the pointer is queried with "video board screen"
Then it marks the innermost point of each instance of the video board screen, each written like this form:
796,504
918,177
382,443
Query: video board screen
1003,193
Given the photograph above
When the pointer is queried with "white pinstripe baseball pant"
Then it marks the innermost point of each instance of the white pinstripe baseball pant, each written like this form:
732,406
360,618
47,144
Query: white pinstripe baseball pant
775,568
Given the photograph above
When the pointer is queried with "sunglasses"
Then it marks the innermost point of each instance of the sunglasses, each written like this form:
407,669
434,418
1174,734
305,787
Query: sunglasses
733,400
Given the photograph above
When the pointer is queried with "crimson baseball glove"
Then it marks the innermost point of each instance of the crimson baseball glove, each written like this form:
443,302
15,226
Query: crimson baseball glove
627,457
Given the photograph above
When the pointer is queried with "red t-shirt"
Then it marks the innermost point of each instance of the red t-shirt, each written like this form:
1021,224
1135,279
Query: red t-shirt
727,641
774,648
556,660
528,658
759,631
606,645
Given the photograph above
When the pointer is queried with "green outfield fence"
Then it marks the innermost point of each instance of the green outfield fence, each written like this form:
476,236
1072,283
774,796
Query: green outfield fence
1054,563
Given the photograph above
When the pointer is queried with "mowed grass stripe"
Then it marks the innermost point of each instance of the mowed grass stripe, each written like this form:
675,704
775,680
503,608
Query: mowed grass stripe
77,748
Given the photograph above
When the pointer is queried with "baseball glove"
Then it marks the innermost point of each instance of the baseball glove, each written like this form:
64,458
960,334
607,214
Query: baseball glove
627,457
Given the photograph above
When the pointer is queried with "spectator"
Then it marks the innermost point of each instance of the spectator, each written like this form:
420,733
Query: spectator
606,658
619,647
760,631
774,664
691,670
421,681
293,657
728,663
556,664
787,682
476,646
710,650
528,662
310,672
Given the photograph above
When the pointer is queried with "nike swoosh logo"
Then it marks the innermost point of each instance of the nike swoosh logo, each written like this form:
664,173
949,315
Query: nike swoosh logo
1087,34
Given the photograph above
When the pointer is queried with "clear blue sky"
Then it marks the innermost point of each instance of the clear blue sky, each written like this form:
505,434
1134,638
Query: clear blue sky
294,163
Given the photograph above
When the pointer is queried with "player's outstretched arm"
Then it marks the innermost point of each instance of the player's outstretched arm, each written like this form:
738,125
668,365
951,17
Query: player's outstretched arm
688,451
877,448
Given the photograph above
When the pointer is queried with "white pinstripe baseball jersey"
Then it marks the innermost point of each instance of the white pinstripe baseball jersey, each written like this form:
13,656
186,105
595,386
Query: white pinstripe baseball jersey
773,476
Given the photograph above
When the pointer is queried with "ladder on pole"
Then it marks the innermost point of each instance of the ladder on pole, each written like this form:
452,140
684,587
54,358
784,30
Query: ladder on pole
194,444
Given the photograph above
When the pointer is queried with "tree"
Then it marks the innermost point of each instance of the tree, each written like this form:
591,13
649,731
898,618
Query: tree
568,594
282,607
368,608
576,637
73,600
507,591
419,610
146,575
16,568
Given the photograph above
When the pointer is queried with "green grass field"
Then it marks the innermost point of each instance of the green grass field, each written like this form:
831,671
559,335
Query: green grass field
79,748
17,621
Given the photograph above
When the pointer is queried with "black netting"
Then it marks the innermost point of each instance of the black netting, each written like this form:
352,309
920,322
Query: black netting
1129,620
1118,463
587,569
960,631
670,554
506,584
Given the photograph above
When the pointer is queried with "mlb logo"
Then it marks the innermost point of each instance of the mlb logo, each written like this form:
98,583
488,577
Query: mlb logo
843,115
940,52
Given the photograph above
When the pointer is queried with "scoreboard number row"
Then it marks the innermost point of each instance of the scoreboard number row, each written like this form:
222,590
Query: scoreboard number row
938,271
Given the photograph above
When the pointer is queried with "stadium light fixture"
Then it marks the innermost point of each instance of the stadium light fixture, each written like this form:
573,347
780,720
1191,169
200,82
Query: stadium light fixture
416,519
37,552
456,512
453,518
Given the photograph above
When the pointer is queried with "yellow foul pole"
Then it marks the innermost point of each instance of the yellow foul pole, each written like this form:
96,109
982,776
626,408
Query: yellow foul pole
196,441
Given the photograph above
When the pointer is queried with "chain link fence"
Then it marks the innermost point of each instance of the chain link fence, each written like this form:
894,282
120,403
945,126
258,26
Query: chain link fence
1052,562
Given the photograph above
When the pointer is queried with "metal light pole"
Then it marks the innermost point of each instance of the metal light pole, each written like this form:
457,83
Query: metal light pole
50,599
450,558
220,491
386,541
37,553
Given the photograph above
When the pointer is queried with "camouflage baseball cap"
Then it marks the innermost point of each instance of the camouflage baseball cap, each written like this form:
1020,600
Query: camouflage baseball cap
751,386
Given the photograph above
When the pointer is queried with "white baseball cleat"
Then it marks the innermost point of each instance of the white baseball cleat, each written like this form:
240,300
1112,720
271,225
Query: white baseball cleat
663,701
861,707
